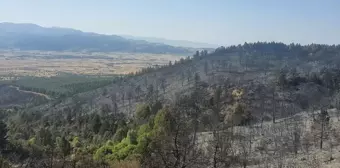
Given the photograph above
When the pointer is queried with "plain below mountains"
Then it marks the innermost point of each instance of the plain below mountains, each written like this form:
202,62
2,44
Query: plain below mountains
34,37
177,43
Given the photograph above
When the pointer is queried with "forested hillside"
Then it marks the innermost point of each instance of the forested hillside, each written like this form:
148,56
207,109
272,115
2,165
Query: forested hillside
252,105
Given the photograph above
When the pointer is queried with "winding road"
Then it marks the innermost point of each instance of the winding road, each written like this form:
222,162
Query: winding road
35,93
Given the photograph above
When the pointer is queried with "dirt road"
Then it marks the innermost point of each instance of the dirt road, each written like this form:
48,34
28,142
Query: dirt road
35,93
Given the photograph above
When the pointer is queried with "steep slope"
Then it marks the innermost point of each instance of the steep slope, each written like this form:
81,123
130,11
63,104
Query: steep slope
13,96
239,105
34,37
253,69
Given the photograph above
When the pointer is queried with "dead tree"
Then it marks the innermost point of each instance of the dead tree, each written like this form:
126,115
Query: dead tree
321,123
245,148
163,84
177,147
273,104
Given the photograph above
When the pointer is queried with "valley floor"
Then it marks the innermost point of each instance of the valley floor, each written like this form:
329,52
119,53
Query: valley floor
48,63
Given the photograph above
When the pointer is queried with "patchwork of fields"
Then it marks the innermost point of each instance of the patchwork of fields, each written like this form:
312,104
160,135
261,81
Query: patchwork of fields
46,63
60,74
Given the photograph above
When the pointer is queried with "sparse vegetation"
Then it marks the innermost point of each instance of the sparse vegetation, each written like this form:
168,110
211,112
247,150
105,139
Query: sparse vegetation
252,105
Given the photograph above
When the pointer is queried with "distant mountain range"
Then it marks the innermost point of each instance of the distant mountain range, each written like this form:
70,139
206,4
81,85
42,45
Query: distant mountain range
177,43
34,37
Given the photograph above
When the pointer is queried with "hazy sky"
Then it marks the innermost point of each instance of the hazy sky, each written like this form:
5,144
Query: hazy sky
220,22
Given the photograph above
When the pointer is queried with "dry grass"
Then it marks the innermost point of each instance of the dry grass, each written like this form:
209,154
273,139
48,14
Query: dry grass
33,63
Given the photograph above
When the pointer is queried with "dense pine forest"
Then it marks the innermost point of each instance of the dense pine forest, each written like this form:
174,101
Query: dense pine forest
263,104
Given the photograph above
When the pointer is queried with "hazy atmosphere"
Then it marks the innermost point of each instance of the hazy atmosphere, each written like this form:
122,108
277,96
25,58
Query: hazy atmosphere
169,84
221,22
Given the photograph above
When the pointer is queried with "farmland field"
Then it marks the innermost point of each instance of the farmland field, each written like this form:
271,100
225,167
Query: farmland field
60,74
46,64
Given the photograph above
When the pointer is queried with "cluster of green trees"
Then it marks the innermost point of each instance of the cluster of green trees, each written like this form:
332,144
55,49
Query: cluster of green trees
62,86
164,134
74,136
99,141
134,142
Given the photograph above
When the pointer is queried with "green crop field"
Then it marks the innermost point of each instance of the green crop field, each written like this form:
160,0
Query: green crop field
61,85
